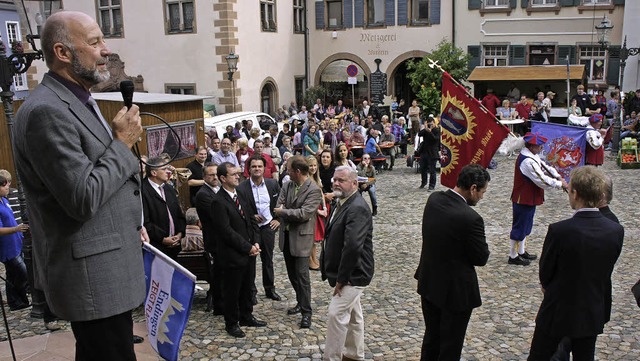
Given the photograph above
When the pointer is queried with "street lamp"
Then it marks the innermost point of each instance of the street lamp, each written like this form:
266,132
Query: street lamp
603,30
232,63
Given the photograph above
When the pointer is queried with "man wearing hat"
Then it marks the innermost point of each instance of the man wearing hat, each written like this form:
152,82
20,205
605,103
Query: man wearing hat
531,177
595,139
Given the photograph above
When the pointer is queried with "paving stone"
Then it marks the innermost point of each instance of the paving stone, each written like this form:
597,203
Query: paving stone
501,329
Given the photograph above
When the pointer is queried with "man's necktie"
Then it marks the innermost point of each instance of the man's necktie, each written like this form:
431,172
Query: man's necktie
171,226
335,211
237,202
94,105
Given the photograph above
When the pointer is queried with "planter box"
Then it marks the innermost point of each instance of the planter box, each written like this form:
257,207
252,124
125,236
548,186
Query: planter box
628,165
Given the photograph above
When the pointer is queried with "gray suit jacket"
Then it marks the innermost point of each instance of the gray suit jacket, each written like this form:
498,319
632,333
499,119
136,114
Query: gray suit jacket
84,202
299,214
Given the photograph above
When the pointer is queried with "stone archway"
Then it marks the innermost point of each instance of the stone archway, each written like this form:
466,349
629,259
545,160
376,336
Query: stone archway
269,96
338,89
398,85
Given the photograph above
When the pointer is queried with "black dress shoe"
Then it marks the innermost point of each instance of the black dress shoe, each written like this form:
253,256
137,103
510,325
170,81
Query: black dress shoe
527,255
293,311
273,295
218,312
252,322
235,331
138,339
306,321
21,306
254,300
519,261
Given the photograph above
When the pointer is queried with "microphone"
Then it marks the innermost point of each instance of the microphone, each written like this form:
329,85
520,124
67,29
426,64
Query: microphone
126,88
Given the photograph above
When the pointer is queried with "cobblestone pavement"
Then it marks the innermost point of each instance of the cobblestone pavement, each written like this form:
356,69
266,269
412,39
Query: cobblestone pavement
501,329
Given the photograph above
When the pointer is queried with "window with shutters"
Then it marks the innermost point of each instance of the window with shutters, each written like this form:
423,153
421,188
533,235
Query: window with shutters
179,16
489,4
543,2
334,14
542,55
110,18
596,2
268,15
298,16
13,34
495,55
594,59
184,89
375,13
419,12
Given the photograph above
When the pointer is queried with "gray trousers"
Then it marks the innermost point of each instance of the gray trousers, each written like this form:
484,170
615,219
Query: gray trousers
298,272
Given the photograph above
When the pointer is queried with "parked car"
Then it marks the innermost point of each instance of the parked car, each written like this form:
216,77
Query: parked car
220,122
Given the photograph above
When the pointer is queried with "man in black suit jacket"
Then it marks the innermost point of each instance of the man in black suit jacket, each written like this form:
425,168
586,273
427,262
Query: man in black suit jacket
163,217
237,246
204,198
262,194
577,260
429,151
453,242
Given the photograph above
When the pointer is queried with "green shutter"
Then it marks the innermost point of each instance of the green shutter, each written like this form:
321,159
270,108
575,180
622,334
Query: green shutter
563,51
348,14
403,15
434,12
618,2
524,4
517,55
513,3
613,66
319,14
475,4
568,2
474,51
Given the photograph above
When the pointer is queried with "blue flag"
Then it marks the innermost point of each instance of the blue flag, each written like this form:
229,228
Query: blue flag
565,148
167,307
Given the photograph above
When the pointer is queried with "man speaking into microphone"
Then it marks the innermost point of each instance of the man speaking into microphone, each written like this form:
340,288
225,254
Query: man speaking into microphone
80,179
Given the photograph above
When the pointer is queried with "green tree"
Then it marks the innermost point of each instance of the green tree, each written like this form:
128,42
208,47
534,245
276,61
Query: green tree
427,82
313,93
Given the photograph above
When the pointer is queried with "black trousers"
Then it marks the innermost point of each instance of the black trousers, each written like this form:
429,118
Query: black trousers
298,272
217,278
267,243
545,346
105,339
444,332
237,284
428,170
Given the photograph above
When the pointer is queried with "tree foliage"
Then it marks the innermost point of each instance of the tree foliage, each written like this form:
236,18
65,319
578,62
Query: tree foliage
427,82
313,93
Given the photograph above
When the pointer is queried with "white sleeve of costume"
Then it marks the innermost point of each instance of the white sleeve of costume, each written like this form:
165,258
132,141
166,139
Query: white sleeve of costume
532,170
594,138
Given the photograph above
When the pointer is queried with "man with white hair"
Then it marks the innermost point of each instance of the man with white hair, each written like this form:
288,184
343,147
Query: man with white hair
348,265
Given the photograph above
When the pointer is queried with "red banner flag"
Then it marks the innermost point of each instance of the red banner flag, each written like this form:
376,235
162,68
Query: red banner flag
469,133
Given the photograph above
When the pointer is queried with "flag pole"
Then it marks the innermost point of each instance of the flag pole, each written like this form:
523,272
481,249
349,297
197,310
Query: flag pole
434,64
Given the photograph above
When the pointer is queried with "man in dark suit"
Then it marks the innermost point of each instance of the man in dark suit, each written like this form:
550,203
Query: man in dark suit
453,242
262,194
196,179
577,260
79,176
204,198
163,217
429,151
296,208
347,263
237,246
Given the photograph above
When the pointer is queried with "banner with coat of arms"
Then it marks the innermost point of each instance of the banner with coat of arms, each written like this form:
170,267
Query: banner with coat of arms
565,147
469,133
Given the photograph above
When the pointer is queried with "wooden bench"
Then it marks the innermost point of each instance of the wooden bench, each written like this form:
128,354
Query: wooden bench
197,262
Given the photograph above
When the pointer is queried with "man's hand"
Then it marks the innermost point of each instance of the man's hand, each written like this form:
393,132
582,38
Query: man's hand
565,185
21,228
329,196
255,250
173,241
278,211
338,290
259,218
274,224
126,126
144,236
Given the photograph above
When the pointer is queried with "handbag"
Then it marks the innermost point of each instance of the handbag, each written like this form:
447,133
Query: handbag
636,292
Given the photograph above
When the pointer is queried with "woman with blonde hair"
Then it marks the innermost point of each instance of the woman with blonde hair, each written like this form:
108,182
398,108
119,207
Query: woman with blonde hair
323,211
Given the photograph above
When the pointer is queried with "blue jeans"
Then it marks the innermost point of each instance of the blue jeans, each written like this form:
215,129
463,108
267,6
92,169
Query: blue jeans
372,195
16,285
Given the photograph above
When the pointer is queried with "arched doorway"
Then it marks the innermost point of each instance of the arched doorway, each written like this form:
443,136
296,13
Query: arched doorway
268,101
334,79
401,84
